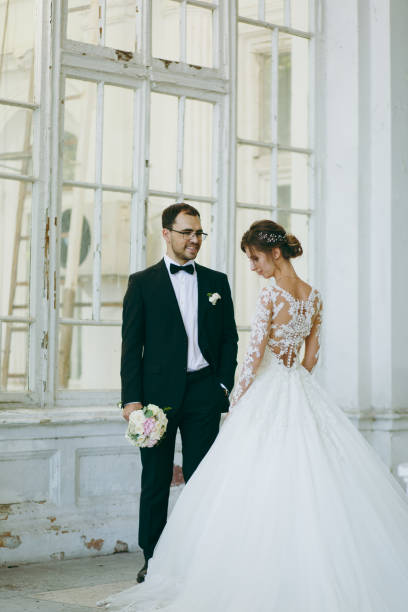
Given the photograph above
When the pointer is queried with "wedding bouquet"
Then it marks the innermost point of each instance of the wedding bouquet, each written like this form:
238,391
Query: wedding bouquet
147,426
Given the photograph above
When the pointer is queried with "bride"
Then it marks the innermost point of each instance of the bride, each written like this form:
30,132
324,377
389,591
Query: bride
291,510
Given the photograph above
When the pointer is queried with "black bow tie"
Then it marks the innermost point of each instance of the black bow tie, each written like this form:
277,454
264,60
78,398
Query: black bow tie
174,269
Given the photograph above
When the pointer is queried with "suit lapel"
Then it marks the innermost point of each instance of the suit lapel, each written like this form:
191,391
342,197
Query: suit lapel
167,294
203,289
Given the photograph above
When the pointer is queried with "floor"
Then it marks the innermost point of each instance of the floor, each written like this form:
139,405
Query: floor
62,586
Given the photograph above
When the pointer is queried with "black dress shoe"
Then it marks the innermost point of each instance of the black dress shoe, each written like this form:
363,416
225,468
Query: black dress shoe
142,573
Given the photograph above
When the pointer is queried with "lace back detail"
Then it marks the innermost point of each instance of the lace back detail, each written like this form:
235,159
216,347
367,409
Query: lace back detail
281,324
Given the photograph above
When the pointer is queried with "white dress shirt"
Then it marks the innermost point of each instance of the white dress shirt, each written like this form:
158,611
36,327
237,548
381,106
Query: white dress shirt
186,289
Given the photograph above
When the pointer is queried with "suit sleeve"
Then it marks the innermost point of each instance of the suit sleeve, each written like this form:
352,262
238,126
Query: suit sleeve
229,343
133,326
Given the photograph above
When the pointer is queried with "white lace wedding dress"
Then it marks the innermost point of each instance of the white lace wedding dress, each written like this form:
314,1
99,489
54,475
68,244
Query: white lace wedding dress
291,510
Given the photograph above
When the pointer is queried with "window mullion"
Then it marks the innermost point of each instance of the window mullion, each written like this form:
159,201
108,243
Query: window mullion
287,12
312,145
96,285
102,21
183,31
274,118
261,10
180,145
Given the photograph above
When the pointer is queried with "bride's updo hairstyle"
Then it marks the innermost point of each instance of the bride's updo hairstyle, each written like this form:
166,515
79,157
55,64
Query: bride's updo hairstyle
265,235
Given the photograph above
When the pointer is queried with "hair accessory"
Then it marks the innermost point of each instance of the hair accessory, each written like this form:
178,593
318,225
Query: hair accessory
272,237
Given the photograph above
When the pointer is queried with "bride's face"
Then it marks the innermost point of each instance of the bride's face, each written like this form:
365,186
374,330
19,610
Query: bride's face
260,262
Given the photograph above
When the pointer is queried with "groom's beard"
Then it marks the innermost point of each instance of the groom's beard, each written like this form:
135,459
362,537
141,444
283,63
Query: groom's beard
187,253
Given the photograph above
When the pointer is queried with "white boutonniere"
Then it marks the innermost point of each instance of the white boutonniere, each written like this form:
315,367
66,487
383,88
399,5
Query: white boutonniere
213,298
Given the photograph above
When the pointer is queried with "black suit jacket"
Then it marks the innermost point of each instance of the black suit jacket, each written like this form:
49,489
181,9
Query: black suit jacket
154,339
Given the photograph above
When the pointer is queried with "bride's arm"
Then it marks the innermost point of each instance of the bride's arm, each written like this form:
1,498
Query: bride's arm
312,342
257,343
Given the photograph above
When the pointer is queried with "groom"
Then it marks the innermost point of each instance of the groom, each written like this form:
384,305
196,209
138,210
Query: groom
179,349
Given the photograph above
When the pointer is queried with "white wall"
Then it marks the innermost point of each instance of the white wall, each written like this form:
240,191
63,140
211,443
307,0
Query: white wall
363,134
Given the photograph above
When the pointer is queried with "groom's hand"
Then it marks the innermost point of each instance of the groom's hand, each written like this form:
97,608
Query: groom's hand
129,408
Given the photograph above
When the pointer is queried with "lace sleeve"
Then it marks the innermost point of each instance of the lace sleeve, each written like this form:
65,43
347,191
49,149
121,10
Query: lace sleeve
260,330
312,342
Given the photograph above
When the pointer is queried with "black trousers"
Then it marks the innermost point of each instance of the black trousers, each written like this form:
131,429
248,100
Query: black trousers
198,420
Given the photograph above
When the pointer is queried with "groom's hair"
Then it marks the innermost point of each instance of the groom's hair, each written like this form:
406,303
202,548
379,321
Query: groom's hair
170,213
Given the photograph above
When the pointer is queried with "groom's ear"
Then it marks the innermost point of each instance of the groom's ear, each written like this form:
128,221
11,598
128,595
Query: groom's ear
165,233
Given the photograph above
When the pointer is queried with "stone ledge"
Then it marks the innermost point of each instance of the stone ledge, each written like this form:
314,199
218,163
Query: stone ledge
59,416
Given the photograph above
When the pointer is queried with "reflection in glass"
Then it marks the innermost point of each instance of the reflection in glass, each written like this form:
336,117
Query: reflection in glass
120,30
274,10
254,83
117,136
166,29
247,283
199,45
79,131
293,103
155,245
94,360
115,253
76,256
163,142
15,140
293,180
14,356
17,36
83,21
197,173
253,175
15,259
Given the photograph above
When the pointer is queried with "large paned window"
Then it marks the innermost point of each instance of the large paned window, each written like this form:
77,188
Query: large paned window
146,103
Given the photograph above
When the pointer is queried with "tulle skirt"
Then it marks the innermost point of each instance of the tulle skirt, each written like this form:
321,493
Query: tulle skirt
290,511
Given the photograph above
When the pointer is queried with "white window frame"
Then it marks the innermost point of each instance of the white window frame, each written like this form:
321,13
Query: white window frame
144,74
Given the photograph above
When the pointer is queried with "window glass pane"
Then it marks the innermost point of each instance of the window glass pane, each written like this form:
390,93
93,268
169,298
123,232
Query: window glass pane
274,10
115,253
247,283
299,12
15,139
14,356
83,21
254,83
155,244
166,29
94,359
17,36
293,180
76,255
163,142
199,47
15,254
293,105
197,175
79,131
121,24
299,226
117,136
253,175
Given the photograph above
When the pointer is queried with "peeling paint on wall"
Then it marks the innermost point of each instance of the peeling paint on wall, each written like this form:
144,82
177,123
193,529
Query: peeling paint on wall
9,541
95,544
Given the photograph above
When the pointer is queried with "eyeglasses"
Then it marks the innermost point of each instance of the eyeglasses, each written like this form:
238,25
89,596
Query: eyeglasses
190,233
